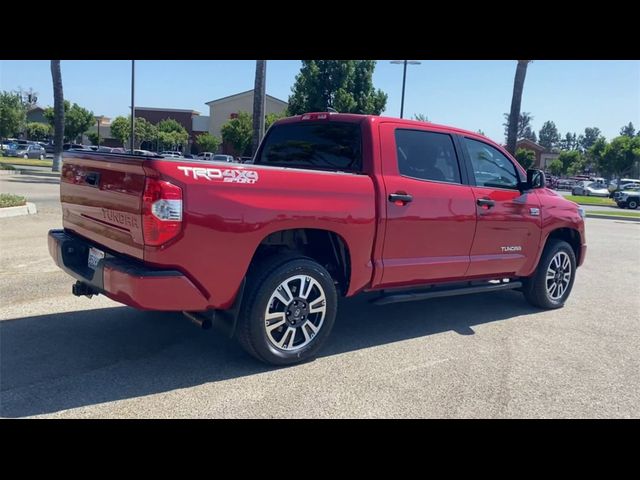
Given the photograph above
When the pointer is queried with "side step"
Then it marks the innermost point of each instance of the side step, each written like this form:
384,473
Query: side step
436,292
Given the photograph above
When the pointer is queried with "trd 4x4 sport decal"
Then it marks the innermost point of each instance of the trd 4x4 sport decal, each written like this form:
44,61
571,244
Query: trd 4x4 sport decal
226,175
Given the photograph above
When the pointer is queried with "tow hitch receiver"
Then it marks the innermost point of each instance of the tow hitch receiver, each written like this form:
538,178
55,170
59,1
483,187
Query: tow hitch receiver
80,289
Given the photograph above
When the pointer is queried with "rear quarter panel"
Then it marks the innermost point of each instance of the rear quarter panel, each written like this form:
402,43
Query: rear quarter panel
225,221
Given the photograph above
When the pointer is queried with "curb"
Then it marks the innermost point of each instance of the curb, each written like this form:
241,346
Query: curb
9,172
614,217
28,209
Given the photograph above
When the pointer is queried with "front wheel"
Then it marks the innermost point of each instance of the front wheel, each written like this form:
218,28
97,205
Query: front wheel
551,284
632,203
25,156
41,157
288,310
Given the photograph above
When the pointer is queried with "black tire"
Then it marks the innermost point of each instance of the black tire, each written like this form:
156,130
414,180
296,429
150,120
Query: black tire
262,282
622,205
535,287
25,156
632,203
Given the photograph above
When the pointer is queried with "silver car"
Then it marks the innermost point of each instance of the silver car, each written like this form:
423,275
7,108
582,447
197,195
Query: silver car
629,198
590,189
26,151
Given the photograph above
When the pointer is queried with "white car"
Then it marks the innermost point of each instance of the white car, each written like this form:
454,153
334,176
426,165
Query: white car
590,189
624,183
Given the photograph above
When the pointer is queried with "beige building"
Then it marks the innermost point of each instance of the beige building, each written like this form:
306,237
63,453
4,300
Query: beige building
223,109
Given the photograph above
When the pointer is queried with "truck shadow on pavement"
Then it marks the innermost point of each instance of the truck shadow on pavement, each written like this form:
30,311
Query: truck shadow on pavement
69,360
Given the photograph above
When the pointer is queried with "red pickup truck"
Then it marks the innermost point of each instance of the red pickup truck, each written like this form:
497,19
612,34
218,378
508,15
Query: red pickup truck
334,204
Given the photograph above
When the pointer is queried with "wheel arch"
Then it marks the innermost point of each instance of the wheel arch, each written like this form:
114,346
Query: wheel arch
326,247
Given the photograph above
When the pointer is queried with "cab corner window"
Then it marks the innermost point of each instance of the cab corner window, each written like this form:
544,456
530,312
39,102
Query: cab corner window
427,156
490,167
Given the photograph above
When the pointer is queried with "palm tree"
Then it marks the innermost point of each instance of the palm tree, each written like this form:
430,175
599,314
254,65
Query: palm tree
58,112
258,104
516,99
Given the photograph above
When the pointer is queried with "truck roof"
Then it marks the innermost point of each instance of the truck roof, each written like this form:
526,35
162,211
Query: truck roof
357,118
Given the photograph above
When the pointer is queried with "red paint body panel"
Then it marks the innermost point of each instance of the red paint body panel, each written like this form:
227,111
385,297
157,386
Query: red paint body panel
229,209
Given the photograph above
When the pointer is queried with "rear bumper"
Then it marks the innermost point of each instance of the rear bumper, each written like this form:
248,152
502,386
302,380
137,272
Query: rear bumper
124,280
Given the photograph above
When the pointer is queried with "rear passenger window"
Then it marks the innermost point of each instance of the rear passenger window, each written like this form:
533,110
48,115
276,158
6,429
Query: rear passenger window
427,156
490,167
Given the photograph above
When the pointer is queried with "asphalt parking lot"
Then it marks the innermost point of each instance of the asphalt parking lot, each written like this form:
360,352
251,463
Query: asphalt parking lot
486,356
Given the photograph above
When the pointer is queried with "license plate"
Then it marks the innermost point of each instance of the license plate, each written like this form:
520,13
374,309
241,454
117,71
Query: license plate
95,256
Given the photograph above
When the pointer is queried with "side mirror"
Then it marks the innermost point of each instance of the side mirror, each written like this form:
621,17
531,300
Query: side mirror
535,179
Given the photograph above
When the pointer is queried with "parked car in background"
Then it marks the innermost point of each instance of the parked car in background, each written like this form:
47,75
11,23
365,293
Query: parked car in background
205,156
171,154
26,151
628,198
223,158
590,189
624,183
565,184
72,146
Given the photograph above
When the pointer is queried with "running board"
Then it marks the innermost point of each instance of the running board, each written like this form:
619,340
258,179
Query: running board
436,292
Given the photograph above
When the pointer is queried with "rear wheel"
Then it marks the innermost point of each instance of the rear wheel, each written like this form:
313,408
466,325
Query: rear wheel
632,203
551,284
288,310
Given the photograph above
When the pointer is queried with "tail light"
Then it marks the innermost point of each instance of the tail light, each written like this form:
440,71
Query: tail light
161,211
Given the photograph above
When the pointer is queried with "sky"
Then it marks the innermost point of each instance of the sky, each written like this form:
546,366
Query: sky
467,94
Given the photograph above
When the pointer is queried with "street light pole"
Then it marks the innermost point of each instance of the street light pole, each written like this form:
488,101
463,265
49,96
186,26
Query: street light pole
404,79
133,105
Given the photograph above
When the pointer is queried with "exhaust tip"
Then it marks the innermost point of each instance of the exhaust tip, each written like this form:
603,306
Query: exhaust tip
205,323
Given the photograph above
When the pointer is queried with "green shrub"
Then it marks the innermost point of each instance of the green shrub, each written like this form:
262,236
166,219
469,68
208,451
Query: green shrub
8,200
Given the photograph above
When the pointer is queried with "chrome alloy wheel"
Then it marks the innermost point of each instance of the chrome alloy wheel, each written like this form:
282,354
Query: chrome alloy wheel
558,275
295,313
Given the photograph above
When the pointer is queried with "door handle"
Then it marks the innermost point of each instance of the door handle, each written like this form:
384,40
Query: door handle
485,202
400,198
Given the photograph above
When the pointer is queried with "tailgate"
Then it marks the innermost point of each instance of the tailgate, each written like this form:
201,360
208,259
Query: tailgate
101,198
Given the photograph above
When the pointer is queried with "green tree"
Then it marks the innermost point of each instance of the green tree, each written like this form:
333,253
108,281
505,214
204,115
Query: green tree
586,141
237,132
481,132
569,142
207,142
58,115
620,156
421,117
77,120
144,131
524,129
579,164
345,85
568,158
272,118
556,167
525,157
172,135
93,137
37,131
12,114
628,130
516,100
121,129
548,135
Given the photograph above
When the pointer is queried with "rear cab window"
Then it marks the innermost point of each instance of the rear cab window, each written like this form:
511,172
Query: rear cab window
332,146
